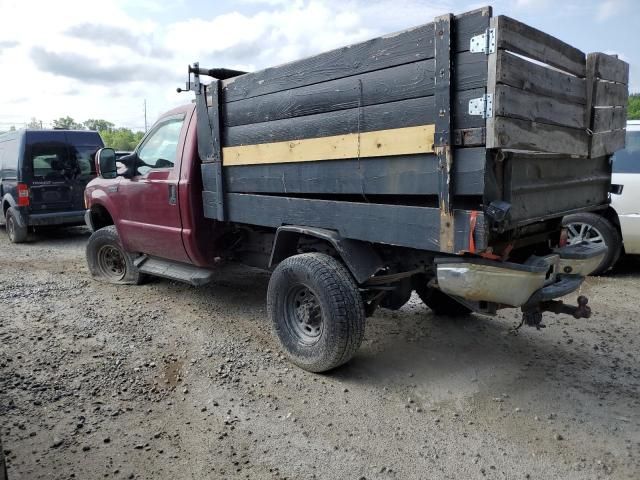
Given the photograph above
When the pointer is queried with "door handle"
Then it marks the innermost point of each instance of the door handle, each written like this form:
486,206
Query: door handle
173,194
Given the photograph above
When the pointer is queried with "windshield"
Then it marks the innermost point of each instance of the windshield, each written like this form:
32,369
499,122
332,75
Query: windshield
628,160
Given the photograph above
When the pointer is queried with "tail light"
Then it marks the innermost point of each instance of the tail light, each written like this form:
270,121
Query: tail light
23,195
564,237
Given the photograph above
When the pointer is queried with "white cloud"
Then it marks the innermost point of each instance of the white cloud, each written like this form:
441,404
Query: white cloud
609,8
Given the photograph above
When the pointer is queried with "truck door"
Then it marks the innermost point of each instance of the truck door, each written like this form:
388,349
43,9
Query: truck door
151,221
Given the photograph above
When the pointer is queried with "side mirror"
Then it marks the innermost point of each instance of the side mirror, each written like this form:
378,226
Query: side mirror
106,163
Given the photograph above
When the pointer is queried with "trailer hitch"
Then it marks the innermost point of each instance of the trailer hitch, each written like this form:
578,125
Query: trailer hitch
532,314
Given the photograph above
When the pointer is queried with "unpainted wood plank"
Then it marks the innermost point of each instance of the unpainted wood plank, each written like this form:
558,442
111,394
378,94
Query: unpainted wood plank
609,118
607,143
608,94
398,175
492,79
392,84
525,75
397,141
608,67
514,134
513,102
408,46
528,41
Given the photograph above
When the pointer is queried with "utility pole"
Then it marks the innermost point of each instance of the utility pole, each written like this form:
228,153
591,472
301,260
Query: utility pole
145,115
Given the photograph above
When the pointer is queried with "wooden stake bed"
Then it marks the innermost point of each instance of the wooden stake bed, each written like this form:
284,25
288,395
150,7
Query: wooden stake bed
413,138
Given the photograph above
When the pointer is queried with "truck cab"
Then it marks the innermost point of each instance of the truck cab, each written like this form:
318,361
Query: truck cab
155,203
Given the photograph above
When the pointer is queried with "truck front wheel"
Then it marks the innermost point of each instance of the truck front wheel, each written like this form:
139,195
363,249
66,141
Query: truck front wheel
316,311
108,261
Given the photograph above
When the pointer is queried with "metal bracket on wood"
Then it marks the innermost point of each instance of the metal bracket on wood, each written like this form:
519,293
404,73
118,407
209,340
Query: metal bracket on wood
482,106
484,43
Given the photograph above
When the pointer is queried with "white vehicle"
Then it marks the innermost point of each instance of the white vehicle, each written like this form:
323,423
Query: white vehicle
618,227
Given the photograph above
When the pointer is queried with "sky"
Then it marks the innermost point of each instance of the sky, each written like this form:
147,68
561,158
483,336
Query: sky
103,60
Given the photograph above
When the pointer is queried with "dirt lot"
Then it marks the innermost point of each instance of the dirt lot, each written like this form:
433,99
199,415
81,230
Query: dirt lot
169,381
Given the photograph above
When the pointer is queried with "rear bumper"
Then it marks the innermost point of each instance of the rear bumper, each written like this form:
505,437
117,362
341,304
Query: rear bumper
57,218
514,285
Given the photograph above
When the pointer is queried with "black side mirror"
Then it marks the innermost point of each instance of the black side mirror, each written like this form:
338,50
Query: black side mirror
106,163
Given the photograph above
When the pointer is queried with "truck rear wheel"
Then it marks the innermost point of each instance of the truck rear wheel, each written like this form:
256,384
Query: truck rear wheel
439,302
16,228
108,261
316,311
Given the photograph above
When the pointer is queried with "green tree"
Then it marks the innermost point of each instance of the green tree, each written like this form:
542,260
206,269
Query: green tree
121,138
67,123
633,113
35,124
98,124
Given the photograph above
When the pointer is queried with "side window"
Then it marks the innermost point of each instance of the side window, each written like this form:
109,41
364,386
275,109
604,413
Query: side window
159,150
628,160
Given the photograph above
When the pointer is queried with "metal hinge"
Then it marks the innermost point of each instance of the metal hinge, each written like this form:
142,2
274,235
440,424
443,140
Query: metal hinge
482,106
484,43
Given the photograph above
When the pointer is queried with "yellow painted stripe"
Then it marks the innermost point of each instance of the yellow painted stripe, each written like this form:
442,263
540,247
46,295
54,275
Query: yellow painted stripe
380,143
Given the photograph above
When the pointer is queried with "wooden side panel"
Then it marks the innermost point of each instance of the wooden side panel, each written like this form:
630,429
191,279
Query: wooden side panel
516,103
404,175
530,42
543,186
401,225
607,93
408,46
403,82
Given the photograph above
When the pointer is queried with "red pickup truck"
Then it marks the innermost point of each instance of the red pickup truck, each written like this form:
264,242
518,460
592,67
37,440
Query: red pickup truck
358,176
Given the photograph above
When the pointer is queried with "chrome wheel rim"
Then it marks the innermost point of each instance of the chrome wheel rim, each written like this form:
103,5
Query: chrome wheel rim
11,227
111,262
584,232
304,315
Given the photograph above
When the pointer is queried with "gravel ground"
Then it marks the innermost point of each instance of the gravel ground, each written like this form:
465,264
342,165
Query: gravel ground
169,381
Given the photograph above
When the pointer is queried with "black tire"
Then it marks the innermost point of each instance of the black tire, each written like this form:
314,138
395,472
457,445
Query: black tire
17,229
396,299
316,310
597,229
440,303
108,261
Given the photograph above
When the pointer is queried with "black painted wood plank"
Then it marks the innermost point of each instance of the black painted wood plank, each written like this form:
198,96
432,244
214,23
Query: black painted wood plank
408,46
401,175
607,143
528,41
400,225
514,134
513,102
608,94
403,82
525,75
406,113
609,118
608,67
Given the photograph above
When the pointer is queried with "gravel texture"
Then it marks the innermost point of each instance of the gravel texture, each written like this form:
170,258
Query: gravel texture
169,381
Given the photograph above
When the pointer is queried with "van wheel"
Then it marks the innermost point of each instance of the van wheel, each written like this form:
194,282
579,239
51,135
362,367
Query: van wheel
16,228
108,261
316,310
436,300
593,228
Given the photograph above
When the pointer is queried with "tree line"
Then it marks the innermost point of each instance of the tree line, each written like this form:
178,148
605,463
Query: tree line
118,138
633,112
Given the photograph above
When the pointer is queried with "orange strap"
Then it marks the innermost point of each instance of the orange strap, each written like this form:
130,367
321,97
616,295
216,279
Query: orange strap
473,218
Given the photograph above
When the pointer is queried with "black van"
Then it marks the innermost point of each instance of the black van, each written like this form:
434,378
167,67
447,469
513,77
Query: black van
42,177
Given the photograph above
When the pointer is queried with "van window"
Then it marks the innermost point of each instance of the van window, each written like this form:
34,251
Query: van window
85,157
50,161
628,160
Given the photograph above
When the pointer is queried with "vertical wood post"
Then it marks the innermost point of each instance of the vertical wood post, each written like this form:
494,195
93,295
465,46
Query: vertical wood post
443,137
209,141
